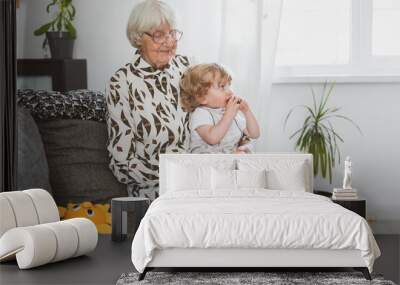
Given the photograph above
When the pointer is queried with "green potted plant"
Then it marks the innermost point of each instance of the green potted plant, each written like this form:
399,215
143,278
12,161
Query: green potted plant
60,32
317,134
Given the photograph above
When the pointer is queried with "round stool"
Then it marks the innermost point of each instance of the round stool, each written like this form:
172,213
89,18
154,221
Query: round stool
119,208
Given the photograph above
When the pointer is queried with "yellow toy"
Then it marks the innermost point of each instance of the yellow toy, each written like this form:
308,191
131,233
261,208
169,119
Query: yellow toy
98,213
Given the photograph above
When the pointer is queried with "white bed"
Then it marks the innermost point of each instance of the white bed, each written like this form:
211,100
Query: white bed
197,224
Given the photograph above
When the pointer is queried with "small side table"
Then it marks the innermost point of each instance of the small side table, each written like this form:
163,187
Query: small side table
119,209
358,206
66,74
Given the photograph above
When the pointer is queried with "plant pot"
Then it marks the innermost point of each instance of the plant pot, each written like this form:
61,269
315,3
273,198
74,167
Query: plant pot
61,44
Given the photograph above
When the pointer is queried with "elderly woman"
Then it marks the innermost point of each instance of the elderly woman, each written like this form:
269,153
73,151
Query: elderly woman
145,117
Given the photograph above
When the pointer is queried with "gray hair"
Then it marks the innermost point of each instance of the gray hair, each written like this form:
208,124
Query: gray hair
145,16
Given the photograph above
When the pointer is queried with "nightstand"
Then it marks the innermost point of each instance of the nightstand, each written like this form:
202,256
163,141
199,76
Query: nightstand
119,216
358,206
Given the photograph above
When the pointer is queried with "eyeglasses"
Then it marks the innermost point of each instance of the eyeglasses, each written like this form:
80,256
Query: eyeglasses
223,87
160,37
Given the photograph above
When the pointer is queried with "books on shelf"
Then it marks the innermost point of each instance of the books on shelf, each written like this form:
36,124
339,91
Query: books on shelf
344,194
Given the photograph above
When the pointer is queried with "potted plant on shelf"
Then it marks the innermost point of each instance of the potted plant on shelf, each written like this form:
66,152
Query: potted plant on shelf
60,32
317,134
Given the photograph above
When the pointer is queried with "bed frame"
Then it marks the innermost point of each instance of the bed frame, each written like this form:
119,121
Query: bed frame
245,259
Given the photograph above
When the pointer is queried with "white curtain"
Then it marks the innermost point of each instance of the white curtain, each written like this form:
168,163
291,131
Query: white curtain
240,34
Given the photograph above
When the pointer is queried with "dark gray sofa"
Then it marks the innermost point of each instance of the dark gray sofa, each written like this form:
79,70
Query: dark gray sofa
62,141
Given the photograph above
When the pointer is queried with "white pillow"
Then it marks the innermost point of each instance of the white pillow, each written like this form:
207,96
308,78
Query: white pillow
181,177
282,174
292,178
251,178
223,179
227,179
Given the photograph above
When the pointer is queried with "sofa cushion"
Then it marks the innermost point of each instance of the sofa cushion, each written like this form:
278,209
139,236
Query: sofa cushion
78,161
32,168
76,104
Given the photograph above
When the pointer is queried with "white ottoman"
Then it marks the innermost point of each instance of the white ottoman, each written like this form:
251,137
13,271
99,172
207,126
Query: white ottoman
31,232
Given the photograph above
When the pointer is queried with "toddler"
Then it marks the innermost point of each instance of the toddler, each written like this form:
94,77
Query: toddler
216,125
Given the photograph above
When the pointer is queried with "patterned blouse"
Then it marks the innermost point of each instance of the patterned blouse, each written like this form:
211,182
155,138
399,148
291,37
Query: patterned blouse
144,119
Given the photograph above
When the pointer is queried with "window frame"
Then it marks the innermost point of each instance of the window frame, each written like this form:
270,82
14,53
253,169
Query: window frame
363,66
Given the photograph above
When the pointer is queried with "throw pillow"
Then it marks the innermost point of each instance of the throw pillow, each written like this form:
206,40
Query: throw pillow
282,174
251,178
181,178
292,178
76,104
78,161
223,179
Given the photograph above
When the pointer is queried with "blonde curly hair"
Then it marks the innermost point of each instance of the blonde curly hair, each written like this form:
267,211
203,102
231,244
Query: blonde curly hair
196,81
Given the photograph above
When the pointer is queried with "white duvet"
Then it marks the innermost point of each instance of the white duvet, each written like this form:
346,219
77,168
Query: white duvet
251,218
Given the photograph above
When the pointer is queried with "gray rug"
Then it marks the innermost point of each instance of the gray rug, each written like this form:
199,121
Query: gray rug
242,278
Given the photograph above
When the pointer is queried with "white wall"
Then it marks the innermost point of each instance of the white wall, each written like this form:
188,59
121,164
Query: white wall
101,37
101,40
375,154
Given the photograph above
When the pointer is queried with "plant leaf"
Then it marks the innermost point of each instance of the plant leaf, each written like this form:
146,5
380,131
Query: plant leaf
296,132
304,141
71,29
336,145
289,114
328,113
73,11
49,5
313,97
326,97
43,29
330,165
332,143
69,15
59,24
312,150
310,110
306,124
349,120
322,150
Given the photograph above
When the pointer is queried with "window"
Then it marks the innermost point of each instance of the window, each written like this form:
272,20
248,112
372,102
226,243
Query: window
301,42
386,28
341,40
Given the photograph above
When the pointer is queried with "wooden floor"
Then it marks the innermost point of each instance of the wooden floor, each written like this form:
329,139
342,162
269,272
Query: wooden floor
110,260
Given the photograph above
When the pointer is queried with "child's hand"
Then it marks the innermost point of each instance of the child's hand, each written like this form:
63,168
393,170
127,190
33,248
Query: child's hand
244,106
244,148
232,107
239,151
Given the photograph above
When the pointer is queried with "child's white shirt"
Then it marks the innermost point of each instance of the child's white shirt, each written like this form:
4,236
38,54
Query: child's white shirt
211,116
